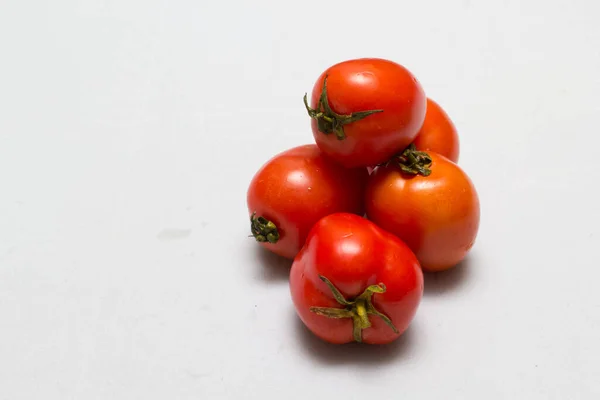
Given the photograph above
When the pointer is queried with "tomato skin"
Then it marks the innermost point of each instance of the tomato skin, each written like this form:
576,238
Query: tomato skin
436,215
353,253
370,84
296,188
438,133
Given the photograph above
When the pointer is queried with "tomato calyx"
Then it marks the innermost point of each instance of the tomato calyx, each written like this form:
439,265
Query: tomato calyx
328,120
263,230
358,309
412,161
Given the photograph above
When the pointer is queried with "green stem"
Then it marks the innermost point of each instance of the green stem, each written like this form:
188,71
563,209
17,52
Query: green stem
263,230
328,120
358,309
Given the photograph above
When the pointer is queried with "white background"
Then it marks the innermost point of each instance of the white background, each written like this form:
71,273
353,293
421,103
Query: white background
130,129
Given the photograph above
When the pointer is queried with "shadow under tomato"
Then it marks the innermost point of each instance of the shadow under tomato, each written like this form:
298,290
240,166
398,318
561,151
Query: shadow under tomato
270,266
439,283
360,353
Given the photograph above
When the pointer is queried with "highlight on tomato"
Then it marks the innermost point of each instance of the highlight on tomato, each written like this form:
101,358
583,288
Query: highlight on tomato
296,188
353,281
427,201
438,133
363,111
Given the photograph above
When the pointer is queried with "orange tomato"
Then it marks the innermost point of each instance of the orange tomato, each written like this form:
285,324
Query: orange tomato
438,133
436,215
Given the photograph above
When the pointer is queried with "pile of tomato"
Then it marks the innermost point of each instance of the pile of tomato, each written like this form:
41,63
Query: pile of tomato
377,200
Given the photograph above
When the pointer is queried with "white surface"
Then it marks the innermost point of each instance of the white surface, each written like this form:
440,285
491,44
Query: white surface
130,129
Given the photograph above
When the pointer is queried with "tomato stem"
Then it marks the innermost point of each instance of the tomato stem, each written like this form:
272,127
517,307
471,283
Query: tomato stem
263,230
328,120
413,162
358,309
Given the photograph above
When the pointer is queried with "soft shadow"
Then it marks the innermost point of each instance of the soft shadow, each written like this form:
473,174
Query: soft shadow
270,266
359,353
439,283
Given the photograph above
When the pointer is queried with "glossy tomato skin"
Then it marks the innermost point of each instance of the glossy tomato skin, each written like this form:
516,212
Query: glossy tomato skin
438,133
354,253
298,187
370,84
436,215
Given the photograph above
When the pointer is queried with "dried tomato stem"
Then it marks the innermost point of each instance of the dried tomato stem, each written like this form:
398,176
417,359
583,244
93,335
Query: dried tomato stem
413,162
263,230
328,120
358,309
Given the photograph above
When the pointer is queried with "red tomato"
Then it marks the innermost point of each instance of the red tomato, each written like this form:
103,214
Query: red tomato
352,281
295,189
364,111
436,215
438,133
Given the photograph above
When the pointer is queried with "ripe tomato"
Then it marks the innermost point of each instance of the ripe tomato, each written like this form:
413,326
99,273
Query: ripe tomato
365,110
436,215
438,133
352,281
295,189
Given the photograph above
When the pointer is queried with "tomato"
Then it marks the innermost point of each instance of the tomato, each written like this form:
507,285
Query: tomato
295,189
438,133
352,281
436,215
365,110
